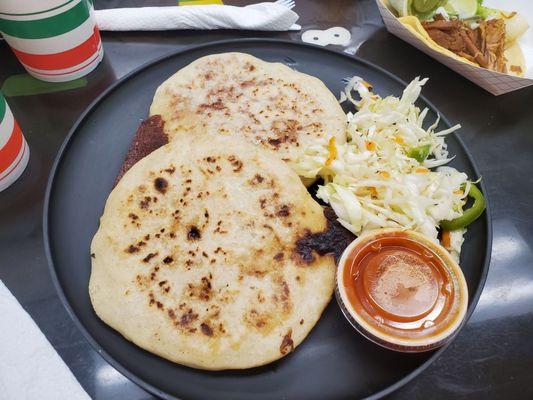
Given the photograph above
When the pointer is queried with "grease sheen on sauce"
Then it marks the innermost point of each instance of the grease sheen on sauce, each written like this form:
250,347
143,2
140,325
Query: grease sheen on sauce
399,286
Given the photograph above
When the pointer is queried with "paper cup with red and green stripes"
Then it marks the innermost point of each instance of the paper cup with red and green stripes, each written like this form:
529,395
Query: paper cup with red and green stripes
14,151
55,40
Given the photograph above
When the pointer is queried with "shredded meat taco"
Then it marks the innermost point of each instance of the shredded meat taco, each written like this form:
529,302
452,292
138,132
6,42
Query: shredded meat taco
484,44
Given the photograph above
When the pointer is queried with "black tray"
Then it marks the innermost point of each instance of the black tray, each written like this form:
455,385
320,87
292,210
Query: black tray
334,362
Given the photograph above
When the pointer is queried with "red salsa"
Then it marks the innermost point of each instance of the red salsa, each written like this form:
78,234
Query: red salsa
400,286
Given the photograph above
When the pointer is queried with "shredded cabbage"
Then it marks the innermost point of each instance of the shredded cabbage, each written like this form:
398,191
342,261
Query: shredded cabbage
456,242
371,182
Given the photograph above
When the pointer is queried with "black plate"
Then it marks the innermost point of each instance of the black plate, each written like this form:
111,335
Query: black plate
334,362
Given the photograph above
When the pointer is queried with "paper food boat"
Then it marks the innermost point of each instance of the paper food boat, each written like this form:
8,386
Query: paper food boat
494,82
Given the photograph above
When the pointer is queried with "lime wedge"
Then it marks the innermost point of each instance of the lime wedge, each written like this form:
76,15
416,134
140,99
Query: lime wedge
425,6
401,7
450,10
464,8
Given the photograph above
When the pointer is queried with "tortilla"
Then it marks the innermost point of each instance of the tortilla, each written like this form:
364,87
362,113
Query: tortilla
199,257
515,59
516,62
268,104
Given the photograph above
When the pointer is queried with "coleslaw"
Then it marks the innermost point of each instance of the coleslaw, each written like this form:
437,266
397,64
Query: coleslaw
391,172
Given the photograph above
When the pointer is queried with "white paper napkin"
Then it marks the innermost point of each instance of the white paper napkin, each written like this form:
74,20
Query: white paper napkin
260,17
30,368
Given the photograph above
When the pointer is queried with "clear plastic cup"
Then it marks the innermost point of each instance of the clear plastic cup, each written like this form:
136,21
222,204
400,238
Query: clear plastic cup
401,290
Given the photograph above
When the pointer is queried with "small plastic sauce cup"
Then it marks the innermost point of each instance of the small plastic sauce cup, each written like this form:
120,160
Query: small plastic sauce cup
401,290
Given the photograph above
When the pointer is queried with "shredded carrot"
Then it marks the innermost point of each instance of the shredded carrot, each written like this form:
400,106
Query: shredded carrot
458,191
384,174
370,145
373,191
332,151
446,240
366,84
399,140
421,170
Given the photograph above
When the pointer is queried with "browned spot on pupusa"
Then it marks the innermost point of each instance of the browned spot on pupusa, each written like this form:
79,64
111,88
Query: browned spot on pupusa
247,83
274,142
153,274
256,180
214,311
217,105
205,290
202,290
287,344
263,321
206,329
284,295
164,286
161,185
185,319
333,240
219,229
132,249
145,202
236,163
283,211
193,233
141,280
149,256
249,66
151,298
171,314
284,131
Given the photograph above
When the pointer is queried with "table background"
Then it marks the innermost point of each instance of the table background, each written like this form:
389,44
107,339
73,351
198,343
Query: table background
492,357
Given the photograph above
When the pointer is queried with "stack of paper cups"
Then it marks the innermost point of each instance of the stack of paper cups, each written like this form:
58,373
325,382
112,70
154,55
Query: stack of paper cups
14,151
55,40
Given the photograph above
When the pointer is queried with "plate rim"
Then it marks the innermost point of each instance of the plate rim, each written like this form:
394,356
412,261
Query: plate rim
90,108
